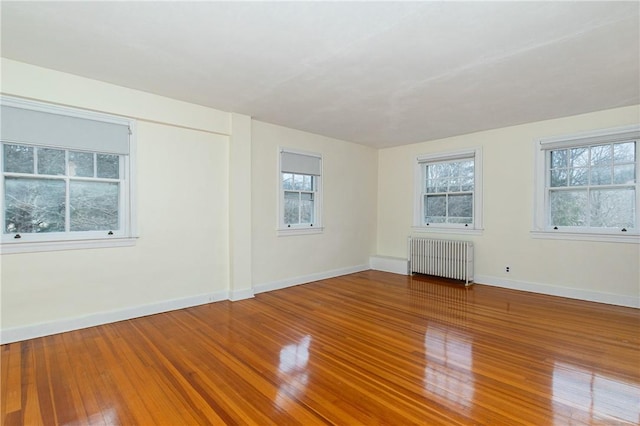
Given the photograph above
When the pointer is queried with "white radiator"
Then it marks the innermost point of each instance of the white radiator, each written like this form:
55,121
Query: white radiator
442,258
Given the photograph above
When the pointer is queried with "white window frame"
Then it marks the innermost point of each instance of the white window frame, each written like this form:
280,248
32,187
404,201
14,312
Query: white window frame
419,183
300,229
543,148
40,242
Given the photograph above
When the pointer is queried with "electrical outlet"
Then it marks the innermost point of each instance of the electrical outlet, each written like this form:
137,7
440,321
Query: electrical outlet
507,269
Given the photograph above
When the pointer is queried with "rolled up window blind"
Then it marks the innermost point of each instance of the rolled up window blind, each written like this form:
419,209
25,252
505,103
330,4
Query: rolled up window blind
27,126
292,162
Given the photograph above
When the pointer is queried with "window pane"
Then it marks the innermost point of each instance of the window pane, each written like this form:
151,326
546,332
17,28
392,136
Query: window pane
435,219
558,178
624,152
34,205
625,174
94,206
51,161
298,182
579,177
435,171
461,206
579,157
108,166
466,168
601,175
601,155
291,207
568,208
287,181
454,185
467,184
558,159
442,185
306,207
433,185
435,207
18,159
612,207
80,164
307,183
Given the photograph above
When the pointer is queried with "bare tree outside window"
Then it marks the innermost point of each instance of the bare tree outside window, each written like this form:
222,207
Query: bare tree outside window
448,191
593,186
299,195
57,190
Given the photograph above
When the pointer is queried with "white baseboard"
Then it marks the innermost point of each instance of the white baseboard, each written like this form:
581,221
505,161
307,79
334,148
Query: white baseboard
571,293
395,265
32,331
290,282
16,334
234,296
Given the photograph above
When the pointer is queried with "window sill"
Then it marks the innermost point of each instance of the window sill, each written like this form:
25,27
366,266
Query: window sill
42,246
289,232
446,230
587,236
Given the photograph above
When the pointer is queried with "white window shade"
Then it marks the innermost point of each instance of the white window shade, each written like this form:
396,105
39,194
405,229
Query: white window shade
303,164
461,155
621,134
28,126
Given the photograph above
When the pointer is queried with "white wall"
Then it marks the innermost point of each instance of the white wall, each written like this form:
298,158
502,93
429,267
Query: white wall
607,272
207,194
349,210
200,241
182,255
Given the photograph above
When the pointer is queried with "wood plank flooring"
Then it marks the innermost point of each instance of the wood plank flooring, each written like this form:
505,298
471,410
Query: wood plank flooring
367,348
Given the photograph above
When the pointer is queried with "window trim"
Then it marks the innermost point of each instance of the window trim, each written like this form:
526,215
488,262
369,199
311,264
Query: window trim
300,229
77,240
542,148
418,184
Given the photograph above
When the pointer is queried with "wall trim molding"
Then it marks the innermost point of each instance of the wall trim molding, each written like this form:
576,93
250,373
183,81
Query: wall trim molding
304,279
32,331
234,296
16,334
396,265
553,290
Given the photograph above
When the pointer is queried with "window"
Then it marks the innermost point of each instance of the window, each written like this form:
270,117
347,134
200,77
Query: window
300,192
587,184
66,178
448,192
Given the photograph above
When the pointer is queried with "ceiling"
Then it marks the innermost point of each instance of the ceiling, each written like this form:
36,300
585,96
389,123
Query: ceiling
375,73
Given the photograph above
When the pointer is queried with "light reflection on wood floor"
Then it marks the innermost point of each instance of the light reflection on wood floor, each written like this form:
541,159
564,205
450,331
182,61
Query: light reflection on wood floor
367,348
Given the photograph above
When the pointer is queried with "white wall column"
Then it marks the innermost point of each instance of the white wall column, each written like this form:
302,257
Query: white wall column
240,284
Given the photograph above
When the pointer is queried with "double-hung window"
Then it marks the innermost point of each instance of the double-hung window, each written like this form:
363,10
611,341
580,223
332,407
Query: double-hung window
448,190
66,178
300,192
588,185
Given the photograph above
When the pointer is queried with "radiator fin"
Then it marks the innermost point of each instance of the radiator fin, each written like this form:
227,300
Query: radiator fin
442,258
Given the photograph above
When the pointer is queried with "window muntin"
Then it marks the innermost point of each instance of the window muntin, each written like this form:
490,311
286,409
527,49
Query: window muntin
592,186
61,191
448,192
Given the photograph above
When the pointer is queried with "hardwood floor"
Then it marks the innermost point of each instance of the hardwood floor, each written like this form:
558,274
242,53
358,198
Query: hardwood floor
366,348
